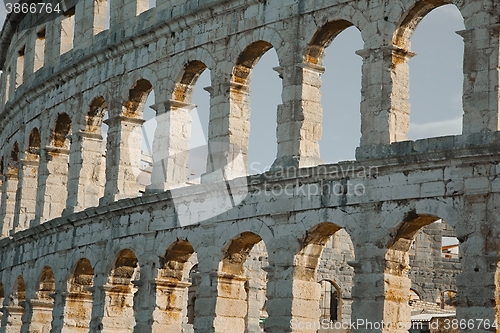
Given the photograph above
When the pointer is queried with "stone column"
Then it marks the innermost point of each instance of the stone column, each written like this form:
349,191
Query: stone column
171,145
7,207
52,184
87,172
84,23
77,312
13,318
26,194
478,285
385,110
160,305
123,157
221,304
291,302
299,117
118,309
228,131
381,290
41,315
481,79
58,312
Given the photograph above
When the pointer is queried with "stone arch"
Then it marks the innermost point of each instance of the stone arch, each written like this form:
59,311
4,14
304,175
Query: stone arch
27,188
239,281
34,144
78,302
95,115
322,39
136,99
247,60
10,168
42,304
397,263
412,17
61,130
15,311
13,166
119,291
307,259
447,299
169,303
330,301
417,290
186,80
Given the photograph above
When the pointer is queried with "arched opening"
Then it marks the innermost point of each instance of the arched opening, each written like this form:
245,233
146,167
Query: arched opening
447,300
78,306
194,278
193,137
435,85
180,149
120,290
417,247
329,303
15,309
264,131
28,186
172,290
33,150
43,305
93,173
9,192
242,283
53,176
323,259
265,96
200,115
339,85
335,276
148,129
303,295
128,170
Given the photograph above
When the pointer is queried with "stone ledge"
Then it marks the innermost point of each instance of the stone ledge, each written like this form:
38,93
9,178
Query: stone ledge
444,147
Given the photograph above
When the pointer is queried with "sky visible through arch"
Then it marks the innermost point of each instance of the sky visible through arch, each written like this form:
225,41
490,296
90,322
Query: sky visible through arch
435,92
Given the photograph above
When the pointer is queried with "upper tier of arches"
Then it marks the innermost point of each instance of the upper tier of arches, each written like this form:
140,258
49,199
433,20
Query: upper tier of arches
53,106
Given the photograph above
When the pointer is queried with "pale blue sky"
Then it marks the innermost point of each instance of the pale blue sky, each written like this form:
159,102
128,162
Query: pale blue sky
436,90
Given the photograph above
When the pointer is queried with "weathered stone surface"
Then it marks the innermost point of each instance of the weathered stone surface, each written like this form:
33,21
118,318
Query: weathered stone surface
87,247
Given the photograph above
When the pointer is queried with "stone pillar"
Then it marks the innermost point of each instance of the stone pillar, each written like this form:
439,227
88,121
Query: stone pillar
77,312
385,110
58,312
26,194
291,302
7,207
481,79
41,315
52,184
381,290
221,304
228,131
87,172
171,145
159,306
13,315
478,285
123,157
84,23
299,117
118,309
